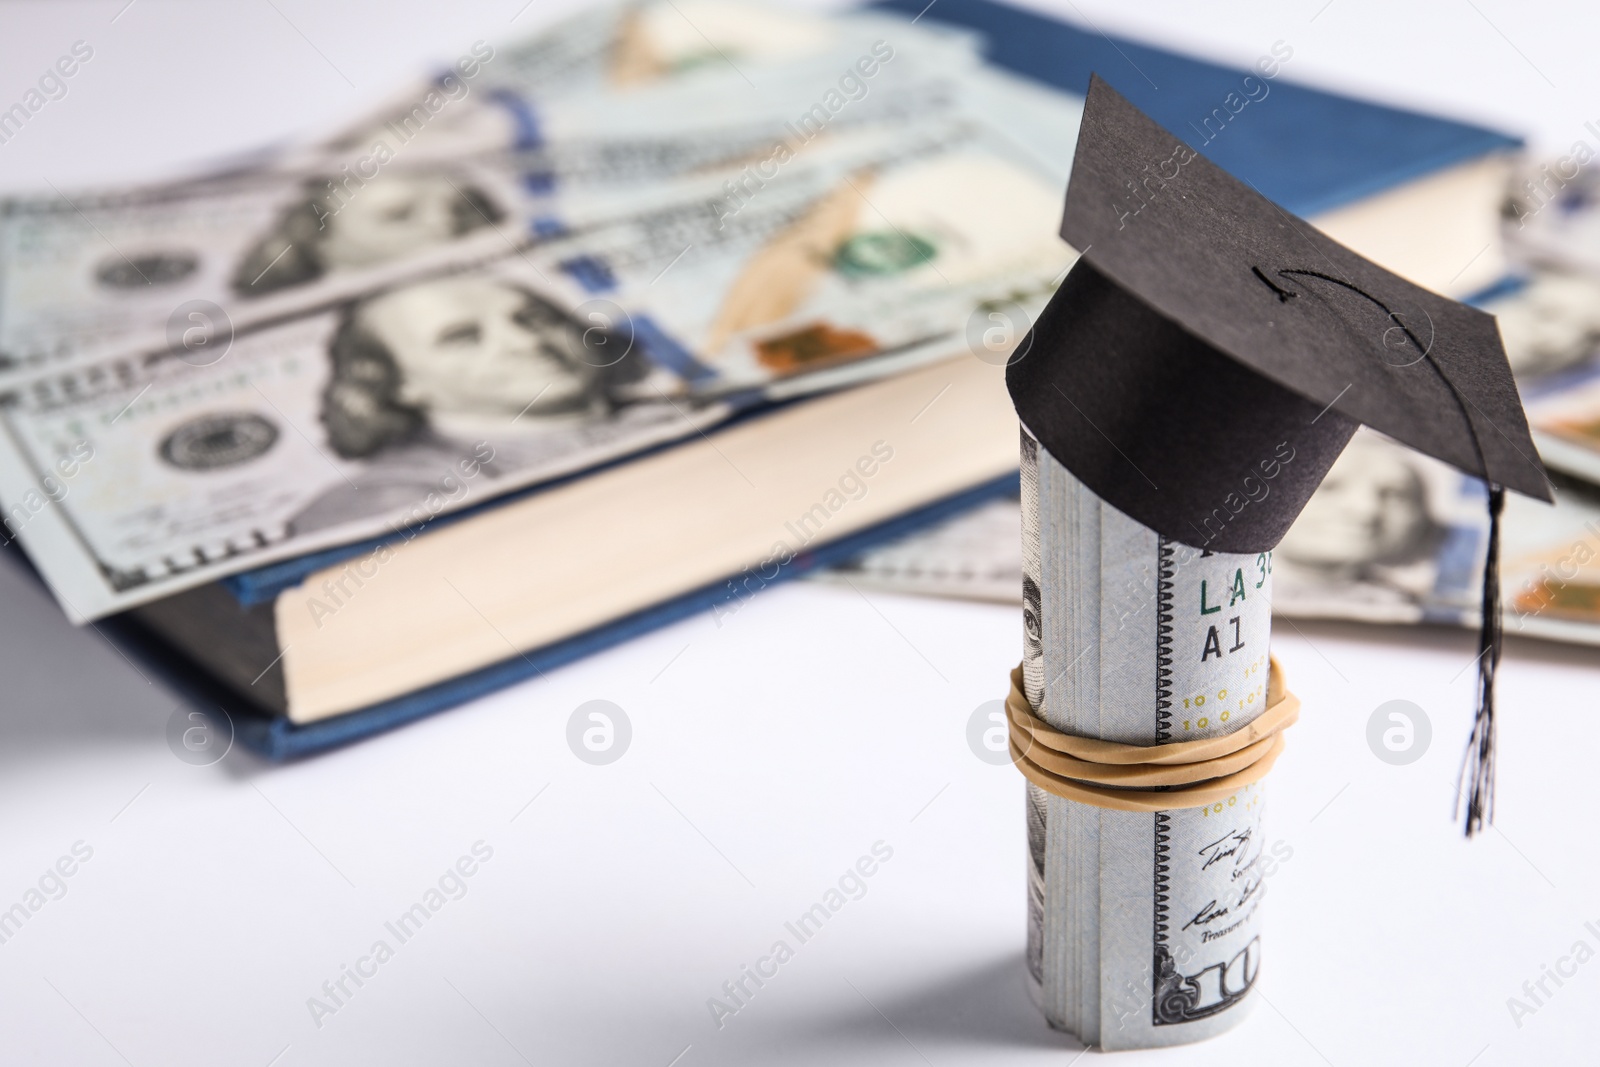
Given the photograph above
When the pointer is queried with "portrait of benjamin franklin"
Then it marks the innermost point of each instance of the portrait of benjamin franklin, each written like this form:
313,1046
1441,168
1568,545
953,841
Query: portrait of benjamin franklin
352,227
1032,622
421,375
1367,532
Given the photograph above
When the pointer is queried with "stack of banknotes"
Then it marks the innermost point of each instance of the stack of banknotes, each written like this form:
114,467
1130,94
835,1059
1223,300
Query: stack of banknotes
640,222
1392,536
1143,926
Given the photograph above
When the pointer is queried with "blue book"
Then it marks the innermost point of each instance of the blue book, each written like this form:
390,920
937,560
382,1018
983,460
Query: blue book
1314,152
1417,193
1308,150
276,737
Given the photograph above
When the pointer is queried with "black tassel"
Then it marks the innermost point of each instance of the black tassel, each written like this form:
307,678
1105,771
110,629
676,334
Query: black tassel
1475,784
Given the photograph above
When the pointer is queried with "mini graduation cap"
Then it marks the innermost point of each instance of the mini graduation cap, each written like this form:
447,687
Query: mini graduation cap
1203,326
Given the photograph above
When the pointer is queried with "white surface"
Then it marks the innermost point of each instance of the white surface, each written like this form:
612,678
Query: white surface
769,753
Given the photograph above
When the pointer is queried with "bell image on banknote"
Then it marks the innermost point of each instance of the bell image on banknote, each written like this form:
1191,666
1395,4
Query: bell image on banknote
1188,386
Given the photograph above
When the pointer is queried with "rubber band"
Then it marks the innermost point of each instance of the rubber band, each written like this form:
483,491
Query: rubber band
1181,774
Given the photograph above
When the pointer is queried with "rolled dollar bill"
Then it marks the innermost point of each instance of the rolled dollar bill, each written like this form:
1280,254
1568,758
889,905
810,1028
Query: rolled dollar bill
1143,927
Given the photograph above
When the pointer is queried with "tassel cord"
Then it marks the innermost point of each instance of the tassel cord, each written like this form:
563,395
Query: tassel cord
1475,783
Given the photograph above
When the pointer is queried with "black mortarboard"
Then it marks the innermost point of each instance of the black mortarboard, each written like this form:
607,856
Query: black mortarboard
1205,332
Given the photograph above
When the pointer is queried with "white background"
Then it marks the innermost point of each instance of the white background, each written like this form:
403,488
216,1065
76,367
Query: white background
769,752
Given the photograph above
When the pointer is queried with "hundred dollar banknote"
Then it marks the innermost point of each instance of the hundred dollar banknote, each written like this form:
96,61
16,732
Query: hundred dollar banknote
1390,537
627,69
867,239
624,47
851,251
1144,928
1564,415
85,274
1551,328
215,456
127,478
834,266
973,556
1550,214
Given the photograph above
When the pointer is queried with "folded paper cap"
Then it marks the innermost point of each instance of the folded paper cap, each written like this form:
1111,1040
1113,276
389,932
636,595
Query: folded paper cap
1209,355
